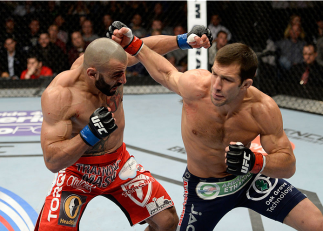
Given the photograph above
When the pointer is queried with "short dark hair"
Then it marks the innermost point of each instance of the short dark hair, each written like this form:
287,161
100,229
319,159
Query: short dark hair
311,44
10,37
221,31
241,54
35,55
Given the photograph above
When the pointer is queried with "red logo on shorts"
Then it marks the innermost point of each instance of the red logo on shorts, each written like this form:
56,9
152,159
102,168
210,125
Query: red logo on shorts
139,189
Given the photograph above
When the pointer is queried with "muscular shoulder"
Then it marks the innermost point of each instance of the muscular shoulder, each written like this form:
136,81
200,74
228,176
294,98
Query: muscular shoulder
56,101
195,84
266,112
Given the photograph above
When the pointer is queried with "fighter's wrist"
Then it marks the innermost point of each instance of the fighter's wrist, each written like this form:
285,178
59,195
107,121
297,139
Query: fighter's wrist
260,163
88,137
182,42
134,46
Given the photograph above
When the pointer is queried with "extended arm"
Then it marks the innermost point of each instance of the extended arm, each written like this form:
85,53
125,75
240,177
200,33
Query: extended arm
163,44
158,67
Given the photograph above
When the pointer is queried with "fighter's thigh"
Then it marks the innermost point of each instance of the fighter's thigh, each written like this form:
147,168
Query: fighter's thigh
272,197
203,214
63,206
305,216
141,197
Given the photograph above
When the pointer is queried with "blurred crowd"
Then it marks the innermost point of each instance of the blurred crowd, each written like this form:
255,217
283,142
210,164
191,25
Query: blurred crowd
44,38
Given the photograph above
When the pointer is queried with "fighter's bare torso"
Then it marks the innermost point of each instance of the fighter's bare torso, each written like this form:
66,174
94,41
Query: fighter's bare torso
68,89
206,132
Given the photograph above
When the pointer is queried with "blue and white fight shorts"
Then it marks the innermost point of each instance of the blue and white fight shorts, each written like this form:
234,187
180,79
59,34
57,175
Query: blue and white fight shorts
207,200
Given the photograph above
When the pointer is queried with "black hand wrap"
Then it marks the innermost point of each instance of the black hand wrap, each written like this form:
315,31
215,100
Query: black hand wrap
135,44
115,25
201,30
101,125
240,160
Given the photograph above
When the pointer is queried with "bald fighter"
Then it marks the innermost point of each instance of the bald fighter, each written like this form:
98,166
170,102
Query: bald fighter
222,113
82,141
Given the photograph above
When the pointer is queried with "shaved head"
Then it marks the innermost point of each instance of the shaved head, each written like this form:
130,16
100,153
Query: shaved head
99,53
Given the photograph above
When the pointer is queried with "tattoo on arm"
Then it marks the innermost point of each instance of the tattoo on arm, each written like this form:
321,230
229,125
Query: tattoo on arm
98,149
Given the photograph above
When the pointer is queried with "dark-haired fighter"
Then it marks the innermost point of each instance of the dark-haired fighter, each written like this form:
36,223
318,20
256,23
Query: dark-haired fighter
222,113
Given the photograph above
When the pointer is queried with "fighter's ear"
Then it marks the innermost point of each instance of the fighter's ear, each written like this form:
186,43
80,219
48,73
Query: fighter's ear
246,84
92,72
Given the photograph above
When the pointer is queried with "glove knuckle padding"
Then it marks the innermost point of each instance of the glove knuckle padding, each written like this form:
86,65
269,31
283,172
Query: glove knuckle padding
201,30
109,123
115,25
198,30
240,160
101,124
118,25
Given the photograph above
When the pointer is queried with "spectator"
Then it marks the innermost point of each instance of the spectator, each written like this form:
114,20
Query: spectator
78,47
220,41
107,20
62,34
87,31
156,32
35,68
12,60
138,7
52,56
52,32
33,32
158,12
158,9
157,24
78,8
24,8
136,26
318,34
319,45
294,20
215,26
309,72
178,57
115,8
290,48
9,31
52,10
82,19
319,28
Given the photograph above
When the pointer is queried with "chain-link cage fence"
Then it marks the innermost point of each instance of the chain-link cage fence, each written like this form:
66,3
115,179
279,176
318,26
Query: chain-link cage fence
286,36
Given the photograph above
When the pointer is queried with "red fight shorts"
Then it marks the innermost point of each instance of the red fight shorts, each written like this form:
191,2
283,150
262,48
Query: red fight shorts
116,176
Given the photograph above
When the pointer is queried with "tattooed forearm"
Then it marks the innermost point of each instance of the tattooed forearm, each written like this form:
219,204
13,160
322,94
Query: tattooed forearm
99,148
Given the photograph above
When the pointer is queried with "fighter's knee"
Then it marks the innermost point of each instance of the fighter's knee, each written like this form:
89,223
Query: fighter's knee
166,220
169,221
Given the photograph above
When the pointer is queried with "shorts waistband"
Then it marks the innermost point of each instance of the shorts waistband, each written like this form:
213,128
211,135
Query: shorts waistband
209,188
108,157
190,177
